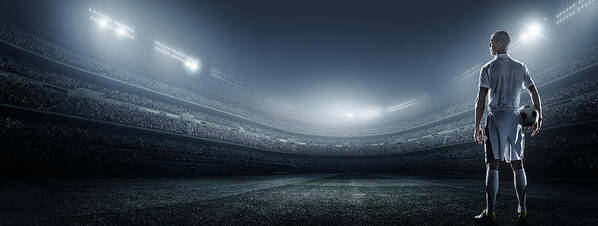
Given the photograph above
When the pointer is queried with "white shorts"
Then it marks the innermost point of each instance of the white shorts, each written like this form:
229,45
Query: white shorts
504,138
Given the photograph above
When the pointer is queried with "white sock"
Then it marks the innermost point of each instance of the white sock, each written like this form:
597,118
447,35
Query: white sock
520,181
491,190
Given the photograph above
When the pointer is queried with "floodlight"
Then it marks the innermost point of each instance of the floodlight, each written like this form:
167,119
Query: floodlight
120,31
103,23
191,64
574,9
534,30
350,115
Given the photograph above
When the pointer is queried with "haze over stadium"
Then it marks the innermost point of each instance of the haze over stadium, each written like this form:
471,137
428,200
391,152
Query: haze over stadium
285,112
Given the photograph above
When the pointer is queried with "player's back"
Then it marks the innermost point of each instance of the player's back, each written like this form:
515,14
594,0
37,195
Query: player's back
505,78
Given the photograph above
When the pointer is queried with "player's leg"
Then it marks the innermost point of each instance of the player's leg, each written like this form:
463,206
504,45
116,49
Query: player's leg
491,181
520,181
491,185
519,175
491,174
491,190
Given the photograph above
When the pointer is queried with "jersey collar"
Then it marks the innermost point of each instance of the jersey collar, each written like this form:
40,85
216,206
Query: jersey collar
503,56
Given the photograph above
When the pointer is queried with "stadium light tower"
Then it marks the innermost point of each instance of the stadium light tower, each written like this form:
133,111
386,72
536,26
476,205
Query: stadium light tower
105,22
571,10
191,63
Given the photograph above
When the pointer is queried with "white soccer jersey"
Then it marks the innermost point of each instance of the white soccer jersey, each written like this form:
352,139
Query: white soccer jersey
505,78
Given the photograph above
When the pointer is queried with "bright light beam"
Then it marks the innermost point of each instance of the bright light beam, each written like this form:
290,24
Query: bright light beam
103,23
188,62
532,32
193,65
121,30
534,29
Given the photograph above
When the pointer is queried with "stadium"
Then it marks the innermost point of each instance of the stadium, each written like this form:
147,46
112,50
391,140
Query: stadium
203,112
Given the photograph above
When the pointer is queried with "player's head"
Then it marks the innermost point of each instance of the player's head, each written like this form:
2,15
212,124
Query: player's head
499,42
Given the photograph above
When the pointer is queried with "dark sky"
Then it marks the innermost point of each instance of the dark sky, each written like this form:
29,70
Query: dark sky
322,53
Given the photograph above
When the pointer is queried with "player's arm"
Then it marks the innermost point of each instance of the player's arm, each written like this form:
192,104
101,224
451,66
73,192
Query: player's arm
480,104
533,92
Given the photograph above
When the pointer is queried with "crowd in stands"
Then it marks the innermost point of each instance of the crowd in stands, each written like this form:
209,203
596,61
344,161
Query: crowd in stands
24,78
20,87
19,92
31,141
572,90
43,140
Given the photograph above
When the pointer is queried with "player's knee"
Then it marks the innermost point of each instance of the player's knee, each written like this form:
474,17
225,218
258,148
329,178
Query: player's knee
492,165
516,165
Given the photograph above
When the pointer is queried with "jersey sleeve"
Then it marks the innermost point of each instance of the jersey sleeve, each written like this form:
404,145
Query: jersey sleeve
527,79
484,78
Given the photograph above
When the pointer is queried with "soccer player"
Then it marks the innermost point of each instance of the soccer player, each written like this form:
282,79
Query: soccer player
502,79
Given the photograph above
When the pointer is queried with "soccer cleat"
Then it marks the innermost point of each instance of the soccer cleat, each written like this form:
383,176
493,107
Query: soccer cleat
484,216
522,216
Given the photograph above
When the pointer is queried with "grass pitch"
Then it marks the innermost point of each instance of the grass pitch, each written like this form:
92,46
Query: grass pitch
344,199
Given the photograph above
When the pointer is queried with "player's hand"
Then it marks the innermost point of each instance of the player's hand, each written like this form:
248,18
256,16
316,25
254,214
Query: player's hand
479,135
536,126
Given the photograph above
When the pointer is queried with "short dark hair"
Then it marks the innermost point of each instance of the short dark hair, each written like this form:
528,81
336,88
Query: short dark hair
502,37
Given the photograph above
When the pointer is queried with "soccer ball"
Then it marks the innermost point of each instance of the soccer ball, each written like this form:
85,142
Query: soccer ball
528,114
